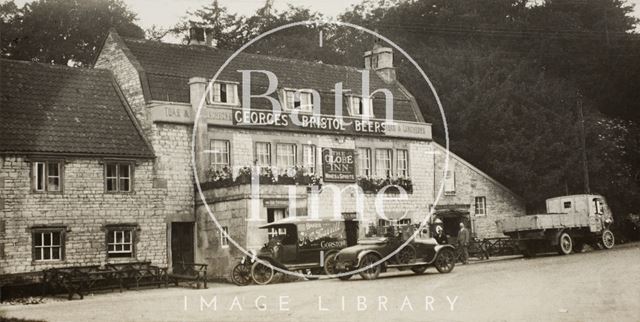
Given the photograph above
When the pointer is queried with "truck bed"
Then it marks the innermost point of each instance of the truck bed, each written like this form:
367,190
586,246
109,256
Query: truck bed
542,221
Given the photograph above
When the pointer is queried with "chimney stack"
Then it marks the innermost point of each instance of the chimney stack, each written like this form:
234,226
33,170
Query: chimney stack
196,36
380,59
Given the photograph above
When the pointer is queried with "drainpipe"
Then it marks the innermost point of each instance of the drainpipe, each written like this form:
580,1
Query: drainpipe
197,88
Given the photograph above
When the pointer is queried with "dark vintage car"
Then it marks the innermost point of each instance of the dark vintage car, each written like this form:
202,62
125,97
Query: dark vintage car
302,244
418,255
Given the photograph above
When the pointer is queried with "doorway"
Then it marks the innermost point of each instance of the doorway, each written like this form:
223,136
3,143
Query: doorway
182,248
351,228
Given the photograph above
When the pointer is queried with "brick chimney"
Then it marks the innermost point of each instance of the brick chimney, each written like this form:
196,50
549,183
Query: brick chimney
380,59
196,36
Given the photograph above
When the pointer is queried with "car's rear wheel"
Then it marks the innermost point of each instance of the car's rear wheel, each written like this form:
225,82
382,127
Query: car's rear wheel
369,272
419,269
446,261
261,274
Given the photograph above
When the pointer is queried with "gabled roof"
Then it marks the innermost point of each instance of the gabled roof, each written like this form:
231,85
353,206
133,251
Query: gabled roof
166,69
47,109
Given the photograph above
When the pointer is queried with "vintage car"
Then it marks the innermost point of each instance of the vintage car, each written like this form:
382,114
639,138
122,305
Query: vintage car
301,244
418,255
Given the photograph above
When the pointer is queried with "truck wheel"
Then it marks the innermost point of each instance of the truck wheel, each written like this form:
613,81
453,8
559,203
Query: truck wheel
565,244
372,272
261,274
330,264
608,240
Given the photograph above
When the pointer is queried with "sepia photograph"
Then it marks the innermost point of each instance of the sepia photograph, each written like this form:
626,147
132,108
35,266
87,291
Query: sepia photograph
305,160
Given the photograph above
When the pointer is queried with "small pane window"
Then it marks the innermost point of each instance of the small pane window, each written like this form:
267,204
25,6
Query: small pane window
118,176
224,237
299,99
360,106
263,155
219,154
480,206
48,245
567,205
225,93
120,242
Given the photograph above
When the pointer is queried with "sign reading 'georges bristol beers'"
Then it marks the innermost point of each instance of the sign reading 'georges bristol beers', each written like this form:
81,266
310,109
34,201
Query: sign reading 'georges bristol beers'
338,165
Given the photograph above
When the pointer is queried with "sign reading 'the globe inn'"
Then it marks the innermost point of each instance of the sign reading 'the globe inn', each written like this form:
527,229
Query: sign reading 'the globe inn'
338,165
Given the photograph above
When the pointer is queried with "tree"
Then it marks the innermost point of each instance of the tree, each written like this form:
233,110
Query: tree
63,31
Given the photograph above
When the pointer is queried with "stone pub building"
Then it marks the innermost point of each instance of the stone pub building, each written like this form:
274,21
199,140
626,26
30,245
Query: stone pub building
327,164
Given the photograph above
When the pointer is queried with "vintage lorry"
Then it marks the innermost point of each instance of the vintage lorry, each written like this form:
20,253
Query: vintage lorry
569,223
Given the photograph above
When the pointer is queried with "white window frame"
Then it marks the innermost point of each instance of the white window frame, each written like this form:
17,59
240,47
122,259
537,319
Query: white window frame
480,208
49,247
259,156
285,158
125,247
224,240
231,90
42,176
354,106
309,156
118,176
387,162
402,163
290,99
364,162
218,160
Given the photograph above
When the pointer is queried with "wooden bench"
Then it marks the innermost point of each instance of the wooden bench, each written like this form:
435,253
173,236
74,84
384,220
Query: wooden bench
191,272
80,279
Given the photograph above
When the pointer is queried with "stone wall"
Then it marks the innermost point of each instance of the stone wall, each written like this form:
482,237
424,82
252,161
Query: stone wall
470,182
84,208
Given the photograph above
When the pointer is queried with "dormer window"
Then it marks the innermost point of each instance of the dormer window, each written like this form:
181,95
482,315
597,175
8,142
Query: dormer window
360,106
298,100
223,93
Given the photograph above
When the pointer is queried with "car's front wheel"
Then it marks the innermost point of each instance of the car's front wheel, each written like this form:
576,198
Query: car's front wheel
369,272
446,261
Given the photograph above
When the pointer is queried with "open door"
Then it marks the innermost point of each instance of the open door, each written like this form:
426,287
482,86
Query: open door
182,248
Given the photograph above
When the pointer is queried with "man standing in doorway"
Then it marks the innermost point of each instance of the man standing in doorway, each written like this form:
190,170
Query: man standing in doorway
463,243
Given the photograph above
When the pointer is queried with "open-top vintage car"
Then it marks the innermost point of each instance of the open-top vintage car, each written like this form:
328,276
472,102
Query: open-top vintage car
417,255
301,244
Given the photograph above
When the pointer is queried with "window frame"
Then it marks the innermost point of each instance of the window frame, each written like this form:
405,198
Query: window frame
35,176
483,202
48,230
132,229
361,100
294,154
224,240
308,108
389,160
216,86
212,154
368,154
257,156
406,161
118,178
312,155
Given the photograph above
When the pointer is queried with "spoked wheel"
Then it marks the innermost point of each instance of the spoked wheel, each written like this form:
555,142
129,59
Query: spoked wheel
369,272
241,274
406,255
330,264
608,240
419,269
565,244
446,261
261,274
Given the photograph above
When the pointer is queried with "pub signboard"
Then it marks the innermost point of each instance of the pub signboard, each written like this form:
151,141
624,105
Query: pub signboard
338,165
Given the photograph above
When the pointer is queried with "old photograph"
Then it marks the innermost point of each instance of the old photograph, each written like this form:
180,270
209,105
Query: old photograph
336,160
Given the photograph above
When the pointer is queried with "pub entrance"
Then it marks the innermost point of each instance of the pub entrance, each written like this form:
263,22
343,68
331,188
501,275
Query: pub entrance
182,244
451,217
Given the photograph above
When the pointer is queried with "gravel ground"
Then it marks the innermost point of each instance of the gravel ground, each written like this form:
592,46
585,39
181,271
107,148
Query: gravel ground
592,286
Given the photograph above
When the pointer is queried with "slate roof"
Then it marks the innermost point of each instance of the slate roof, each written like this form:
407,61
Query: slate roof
168,67
55,110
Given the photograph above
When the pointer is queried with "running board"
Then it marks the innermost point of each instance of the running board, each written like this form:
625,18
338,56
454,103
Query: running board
407,265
